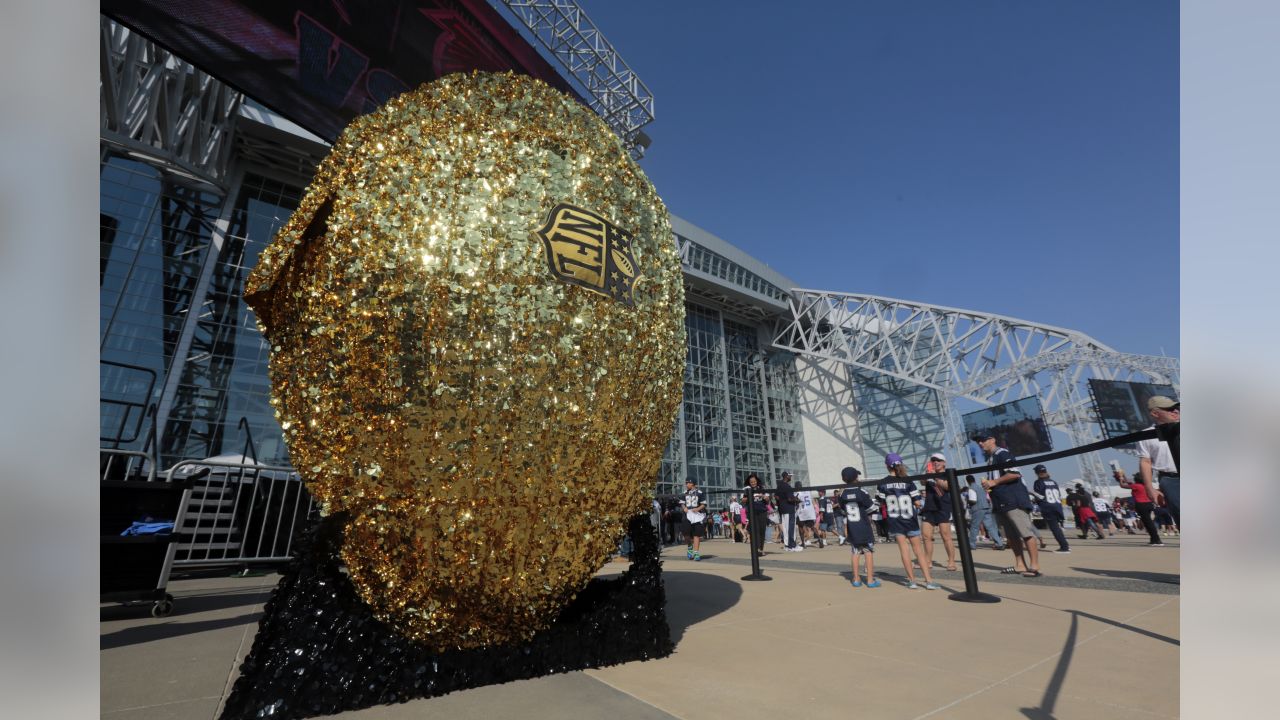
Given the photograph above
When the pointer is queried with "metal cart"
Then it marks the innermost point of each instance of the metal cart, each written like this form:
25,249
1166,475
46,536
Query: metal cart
136,568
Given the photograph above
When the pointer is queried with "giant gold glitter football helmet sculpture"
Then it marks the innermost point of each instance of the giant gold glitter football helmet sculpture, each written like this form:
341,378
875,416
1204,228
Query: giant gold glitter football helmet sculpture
476,321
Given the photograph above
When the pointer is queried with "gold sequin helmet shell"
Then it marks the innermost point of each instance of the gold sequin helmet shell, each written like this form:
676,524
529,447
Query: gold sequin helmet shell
476,319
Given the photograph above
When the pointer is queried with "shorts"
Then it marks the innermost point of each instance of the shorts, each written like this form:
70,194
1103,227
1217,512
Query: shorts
936,517
695,529
1015,523
825,524
863,549
909,533
806,524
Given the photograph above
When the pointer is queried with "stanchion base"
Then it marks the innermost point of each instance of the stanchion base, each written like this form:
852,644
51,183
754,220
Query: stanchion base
979,597
756,577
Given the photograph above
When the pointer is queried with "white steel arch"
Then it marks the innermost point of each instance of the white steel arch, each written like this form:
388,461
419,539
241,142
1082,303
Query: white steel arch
915,360
159,106
615,92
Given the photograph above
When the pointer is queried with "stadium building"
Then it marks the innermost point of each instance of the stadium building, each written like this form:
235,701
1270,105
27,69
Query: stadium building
197,175
196,179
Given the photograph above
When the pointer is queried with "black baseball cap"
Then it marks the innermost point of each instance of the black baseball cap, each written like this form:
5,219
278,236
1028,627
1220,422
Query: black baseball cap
849,474
1040,468
981,437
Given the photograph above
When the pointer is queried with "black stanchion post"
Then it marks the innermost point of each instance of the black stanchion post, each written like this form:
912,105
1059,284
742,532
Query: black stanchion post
970,593
753,527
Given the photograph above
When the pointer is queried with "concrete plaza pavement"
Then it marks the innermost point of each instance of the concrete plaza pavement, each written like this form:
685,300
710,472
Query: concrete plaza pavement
1096,635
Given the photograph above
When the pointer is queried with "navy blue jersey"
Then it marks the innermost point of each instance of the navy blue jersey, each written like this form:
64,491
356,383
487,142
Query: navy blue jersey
1048,494
786,498
856,505
1010,495
900,505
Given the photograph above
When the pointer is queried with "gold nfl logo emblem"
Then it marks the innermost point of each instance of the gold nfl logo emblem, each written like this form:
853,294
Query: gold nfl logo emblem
587,250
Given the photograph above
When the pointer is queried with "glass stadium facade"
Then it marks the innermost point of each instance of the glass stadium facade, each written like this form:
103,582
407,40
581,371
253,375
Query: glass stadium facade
184,368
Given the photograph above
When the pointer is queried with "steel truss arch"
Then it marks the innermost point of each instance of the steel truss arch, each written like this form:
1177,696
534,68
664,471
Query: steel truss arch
156,105
917,359
615,92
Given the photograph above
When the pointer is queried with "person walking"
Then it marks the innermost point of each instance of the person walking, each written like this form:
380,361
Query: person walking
1012,506
1048,497
1102,509
838,516
694,505
735,519
1155,458
807,517
1086,519
785,498
862,542
980,512
1143,506
936,515
902,501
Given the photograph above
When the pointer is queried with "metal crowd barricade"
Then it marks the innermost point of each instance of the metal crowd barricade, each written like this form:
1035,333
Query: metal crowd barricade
121,464
240,513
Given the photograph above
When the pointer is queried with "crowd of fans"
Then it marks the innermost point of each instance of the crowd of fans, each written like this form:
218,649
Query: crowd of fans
999,509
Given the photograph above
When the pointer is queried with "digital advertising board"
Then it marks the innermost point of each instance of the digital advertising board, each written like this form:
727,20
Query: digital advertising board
1018,425
321,63
1122,406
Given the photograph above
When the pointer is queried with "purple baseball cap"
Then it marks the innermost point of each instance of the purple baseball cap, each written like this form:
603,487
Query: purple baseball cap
892,459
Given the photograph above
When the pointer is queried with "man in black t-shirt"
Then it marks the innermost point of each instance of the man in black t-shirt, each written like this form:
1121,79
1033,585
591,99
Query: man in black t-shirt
785,497
1012,506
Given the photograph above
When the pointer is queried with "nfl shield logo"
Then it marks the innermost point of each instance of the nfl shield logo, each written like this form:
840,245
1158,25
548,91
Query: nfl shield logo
587,250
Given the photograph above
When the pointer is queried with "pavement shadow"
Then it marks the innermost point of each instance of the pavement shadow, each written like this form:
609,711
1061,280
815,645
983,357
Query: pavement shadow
1051,691
163,630
1169,578
188,604
693,597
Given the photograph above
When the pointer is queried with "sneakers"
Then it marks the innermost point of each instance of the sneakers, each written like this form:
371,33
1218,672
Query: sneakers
795,549
689,554
874,584
1151,544
697,557
931,586
1062,551
857,582
912,586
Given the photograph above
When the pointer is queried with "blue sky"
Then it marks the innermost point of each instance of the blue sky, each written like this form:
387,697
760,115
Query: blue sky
1016,157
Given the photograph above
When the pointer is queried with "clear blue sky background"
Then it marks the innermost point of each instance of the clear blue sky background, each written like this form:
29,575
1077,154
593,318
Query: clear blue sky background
1015,156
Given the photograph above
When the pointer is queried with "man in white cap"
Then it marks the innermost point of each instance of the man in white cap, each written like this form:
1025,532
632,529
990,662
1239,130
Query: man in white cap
1155,458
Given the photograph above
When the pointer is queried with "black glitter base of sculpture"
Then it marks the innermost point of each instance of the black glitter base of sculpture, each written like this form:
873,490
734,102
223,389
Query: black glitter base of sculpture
320,651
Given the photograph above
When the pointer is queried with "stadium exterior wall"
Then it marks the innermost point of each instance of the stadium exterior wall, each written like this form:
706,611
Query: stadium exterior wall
176,337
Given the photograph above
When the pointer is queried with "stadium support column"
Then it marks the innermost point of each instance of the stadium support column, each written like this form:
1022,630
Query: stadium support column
178,366
953,428
1081,428
762,358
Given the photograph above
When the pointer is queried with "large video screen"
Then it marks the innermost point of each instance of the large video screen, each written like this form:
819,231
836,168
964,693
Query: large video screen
1018,426
1122,406
320,63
